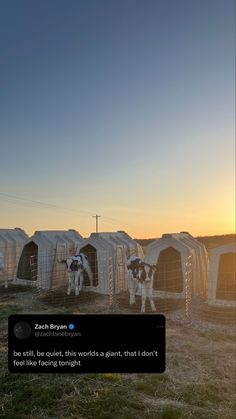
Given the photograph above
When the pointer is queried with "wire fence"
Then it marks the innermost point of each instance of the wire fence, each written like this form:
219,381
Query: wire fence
45,277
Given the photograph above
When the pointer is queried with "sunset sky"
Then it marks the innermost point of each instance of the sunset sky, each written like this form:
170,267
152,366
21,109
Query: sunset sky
122,108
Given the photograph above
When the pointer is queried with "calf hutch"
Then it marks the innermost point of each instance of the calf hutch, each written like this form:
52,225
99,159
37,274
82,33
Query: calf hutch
39,264
11,245
181,262
107,255
121,237
222,282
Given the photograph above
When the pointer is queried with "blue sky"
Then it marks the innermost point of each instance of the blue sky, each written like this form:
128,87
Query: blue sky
119,107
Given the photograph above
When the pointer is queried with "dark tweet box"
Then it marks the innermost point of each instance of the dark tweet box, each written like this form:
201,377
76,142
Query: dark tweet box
86,343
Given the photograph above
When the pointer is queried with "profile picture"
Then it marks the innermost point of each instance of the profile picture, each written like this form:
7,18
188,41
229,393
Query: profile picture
22,330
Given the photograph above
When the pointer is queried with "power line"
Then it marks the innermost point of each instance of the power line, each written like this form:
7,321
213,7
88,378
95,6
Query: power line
40,204
31,203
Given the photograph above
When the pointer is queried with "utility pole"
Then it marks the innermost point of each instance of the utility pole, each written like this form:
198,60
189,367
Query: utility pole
97,217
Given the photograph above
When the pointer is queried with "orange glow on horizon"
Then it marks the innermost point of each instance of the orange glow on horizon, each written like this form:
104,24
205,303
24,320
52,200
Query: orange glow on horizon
140,223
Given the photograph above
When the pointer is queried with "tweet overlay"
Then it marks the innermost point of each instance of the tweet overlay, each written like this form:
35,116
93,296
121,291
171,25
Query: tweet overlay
86,343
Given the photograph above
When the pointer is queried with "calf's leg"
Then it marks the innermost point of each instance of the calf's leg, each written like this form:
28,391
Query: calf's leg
150,295
143,297
81,280
132,291
153,307
77,275
70,283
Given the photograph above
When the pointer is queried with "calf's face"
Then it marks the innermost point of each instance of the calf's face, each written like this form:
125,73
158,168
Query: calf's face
72,265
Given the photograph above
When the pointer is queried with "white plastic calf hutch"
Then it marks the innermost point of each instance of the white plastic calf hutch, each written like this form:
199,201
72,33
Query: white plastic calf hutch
107,259
39,263
121,237
222,281
179,257
11,245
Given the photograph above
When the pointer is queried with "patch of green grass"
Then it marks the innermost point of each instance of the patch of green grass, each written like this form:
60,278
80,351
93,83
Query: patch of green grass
164,377
21,393
201,394
171,412
155,385
105,396
7,309
110,377
114,403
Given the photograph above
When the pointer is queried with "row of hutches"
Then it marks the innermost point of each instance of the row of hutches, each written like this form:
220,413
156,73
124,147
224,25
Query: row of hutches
179,257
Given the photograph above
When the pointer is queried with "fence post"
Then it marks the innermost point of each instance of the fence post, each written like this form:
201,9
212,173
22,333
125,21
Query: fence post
111,283
188,286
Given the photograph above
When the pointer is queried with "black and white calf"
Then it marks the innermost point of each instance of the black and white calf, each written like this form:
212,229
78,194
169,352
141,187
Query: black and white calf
76,265
140,278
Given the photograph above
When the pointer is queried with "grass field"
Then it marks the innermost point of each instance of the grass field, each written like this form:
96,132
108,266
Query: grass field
199,381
